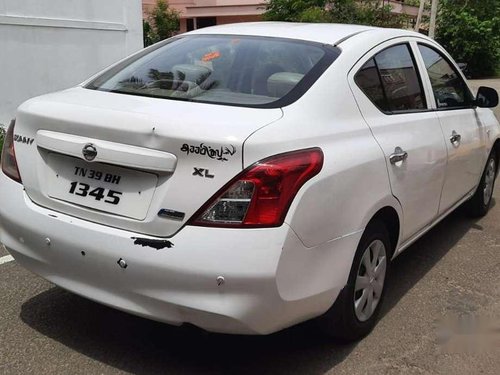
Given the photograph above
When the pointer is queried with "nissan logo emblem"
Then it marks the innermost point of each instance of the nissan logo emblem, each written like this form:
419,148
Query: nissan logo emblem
89,152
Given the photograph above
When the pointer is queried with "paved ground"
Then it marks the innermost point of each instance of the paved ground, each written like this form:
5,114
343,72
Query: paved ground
452,270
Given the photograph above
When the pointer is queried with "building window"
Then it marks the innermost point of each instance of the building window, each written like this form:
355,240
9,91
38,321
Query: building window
202,22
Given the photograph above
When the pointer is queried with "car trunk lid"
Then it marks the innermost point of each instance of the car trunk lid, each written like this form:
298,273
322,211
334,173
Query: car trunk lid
136,163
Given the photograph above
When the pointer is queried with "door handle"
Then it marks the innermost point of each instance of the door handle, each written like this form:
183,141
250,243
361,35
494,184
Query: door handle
455,138
398,155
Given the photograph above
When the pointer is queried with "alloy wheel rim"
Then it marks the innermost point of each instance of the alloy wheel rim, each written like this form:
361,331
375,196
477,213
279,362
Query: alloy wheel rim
489,181
370,280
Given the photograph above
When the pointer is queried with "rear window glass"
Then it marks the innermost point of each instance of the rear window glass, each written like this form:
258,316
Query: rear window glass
233,70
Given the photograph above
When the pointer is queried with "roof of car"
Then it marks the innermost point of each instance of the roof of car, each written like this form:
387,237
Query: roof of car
328,33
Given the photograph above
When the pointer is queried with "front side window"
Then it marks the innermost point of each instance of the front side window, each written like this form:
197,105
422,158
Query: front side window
391,81
223,69
448,86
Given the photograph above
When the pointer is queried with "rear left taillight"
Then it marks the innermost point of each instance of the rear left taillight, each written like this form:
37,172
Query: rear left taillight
9,163
261,195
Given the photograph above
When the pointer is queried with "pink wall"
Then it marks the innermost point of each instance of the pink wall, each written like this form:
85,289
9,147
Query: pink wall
232,11
226,11
181,5
236,19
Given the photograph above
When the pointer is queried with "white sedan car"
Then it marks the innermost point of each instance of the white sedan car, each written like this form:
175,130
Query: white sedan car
245,178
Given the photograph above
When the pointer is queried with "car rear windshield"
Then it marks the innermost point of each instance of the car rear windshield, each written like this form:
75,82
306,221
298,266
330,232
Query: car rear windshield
223,69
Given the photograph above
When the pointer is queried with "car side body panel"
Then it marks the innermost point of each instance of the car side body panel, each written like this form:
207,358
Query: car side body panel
467,156
480,136
353,160
416,182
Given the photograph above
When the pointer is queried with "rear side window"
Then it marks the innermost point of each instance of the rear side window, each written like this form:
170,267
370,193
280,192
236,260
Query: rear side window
450,90
368,79
222,69
398,81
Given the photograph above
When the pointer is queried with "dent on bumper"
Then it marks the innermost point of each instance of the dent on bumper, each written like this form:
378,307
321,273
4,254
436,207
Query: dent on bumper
267,278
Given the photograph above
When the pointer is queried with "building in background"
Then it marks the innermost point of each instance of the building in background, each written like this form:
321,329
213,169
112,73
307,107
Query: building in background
406,7
196,14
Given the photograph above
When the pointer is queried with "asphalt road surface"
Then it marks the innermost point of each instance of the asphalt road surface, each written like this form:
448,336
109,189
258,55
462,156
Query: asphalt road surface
452,271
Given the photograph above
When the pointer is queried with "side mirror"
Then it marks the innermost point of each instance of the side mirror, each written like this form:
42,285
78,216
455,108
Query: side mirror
486,97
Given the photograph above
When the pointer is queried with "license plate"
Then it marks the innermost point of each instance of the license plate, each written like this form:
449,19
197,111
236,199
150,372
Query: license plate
103,187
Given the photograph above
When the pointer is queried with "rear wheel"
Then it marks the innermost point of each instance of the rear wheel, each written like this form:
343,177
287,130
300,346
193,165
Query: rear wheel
355,311
480,202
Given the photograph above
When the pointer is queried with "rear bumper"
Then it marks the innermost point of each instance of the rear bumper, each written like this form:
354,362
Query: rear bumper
271,280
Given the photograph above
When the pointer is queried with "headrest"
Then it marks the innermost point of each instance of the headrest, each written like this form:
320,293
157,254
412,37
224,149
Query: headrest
191,73
279,84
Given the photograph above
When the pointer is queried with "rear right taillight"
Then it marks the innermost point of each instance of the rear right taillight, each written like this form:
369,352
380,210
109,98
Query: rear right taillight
9,163
260,196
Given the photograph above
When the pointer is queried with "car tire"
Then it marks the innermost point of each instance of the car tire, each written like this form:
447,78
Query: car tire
347,320
480,202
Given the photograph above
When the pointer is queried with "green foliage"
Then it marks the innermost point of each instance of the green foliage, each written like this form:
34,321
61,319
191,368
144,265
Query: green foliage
294,10
415,3
162,23
363,12
147,33
470,31
315,14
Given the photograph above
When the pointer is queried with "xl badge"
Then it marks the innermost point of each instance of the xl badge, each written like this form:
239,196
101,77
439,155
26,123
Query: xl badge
89,152
202,172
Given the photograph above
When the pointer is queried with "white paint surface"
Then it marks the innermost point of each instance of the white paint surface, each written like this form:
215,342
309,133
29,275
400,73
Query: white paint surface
6,259
49,45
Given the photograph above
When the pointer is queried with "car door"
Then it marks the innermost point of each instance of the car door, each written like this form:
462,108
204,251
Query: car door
388,89
462,129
